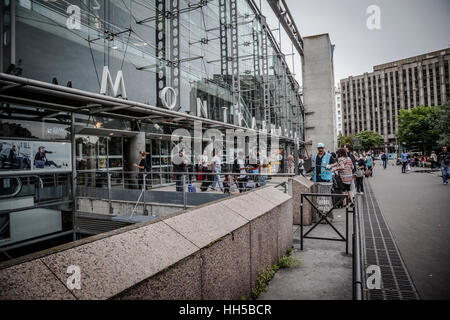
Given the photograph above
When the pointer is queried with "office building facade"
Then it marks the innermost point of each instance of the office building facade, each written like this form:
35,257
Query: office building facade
372,101
338,112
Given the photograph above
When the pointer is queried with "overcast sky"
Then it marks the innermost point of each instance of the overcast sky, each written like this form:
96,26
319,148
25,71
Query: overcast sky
408,28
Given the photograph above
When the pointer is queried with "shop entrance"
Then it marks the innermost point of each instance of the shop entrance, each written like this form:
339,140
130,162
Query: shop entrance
99,152
159,149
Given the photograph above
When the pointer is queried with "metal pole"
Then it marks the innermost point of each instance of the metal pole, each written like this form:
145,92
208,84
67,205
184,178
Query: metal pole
346,227
109,193
301,222
74,175
144,176
184,192
357,267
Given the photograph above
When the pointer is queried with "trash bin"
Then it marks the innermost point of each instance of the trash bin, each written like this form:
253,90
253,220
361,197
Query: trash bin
324,204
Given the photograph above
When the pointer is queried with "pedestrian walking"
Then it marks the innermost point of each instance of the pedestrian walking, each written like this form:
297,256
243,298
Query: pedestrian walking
360,169
384,159
216,168
444,161
349,150
301,165
179,163
345,169
198,166
239,166
433,160
262,163
205,163
291,163
142,166
404,160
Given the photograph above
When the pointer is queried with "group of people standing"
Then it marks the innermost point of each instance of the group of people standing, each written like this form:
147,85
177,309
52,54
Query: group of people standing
209,173
441,161
345,169
291,164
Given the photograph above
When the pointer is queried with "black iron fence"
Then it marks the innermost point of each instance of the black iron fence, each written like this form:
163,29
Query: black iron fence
324,204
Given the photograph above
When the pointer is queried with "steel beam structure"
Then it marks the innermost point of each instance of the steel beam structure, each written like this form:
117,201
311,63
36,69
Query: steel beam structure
265,71
175,49
223,38
256,69
160,39
283,14
7,35
236,87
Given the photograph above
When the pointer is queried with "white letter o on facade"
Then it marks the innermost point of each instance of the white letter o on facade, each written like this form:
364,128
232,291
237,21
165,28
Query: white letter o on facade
162,96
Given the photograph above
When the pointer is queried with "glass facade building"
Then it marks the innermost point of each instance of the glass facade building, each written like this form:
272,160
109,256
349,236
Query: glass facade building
84,83
196,47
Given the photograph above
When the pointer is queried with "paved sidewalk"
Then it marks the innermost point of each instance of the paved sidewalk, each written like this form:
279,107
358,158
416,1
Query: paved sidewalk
325,272
416,208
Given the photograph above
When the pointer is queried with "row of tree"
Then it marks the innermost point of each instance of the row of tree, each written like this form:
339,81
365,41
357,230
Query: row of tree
423,128
369,140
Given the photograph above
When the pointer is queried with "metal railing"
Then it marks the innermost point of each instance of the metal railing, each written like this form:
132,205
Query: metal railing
47,189
183,182
357,262
325,211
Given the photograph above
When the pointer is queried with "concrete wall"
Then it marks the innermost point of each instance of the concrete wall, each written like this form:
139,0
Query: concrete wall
319,92
301,185
100,206
210,252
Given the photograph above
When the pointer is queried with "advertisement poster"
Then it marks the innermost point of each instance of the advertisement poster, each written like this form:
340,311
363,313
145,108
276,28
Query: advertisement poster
15,155
51,156
276,162
19,156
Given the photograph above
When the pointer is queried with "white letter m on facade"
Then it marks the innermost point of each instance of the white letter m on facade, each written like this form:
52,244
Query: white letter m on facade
119,84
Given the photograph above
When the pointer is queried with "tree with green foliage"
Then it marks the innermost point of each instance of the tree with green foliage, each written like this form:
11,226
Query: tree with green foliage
442,124
417,128
369,139
343,140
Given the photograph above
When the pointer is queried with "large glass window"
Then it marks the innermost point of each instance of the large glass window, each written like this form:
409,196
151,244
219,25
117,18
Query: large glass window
122,34
94,153
20,122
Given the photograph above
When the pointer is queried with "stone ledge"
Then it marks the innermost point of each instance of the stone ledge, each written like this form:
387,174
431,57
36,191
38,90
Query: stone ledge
301,185
137,256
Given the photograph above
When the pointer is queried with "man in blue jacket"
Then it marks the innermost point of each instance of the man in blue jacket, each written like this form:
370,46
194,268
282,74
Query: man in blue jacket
404,159
322,164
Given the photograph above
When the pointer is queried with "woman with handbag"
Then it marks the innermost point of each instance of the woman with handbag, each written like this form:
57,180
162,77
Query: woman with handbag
360,169
345,169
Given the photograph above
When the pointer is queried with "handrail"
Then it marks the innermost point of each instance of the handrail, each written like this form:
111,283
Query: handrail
357,256
16,192
191,173
282,184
